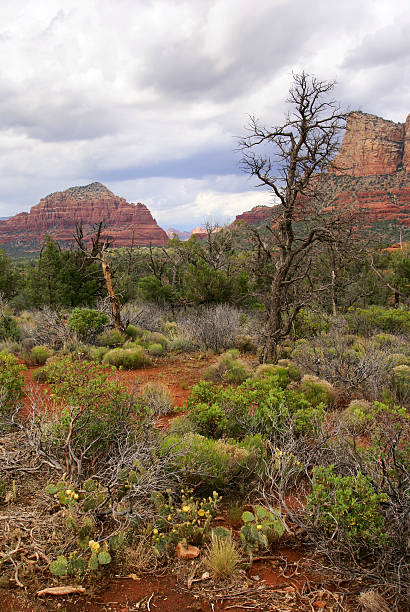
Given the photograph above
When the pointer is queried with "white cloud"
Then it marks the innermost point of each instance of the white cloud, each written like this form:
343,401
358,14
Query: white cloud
119,91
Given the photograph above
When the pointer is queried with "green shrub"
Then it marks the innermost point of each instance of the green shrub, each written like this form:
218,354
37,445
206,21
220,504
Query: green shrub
155,349
308,324
245,343
346,508
256,406
365,321
181,344
40,354
97,353
209,420
170,329
293,371
130,359
9,328
384,340
317,391
101,409
228,369
400,383
397,359
209,464
357,417
133,331
157,338
111,338
87,322
278,375
157,398
11,383
39,375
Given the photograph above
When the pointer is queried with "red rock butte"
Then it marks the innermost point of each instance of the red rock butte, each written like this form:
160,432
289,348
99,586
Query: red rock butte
371,170
58,213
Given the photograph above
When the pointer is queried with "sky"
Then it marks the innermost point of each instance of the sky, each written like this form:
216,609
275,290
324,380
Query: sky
150,96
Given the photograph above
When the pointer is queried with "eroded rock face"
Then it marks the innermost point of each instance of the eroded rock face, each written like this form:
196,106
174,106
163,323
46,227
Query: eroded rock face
370,172
256,215
58,213
371,146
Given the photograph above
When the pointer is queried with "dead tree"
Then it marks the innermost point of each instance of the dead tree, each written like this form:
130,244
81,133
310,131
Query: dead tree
290,160
98,252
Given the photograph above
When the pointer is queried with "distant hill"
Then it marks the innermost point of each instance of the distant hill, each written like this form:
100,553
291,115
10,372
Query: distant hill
57,214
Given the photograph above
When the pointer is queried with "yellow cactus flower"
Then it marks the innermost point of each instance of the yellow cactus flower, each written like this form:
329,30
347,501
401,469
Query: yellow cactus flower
259,527
155,531
186,508
201,512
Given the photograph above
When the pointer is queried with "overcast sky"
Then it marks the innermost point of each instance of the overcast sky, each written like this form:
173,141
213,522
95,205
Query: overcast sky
147,96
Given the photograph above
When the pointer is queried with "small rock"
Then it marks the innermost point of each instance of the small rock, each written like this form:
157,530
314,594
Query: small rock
191,552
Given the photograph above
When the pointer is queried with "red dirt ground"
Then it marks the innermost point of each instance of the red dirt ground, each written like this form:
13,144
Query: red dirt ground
125,594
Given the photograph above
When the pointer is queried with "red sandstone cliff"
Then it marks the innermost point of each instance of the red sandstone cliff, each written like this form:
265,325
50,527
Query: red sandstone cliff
371,146
371,171
256,215
58,213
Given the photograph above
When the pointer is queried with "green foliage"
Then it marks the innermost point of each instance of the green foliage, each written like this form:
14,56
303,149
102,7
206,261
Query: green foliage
87,322
308,324
260,529
130,359
186,519
96,353
133,331
278,375
357,417
367,321
60,278
11,382
111,338
317,391
9,328
8,276
210,464
255,407
400,383
40,354
155,349
100,408
157,338
347,508
228,369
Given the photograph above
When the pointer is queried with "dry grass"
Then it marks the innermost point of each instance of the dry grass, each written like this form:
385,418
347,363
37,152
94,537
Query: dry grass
371,601
222,557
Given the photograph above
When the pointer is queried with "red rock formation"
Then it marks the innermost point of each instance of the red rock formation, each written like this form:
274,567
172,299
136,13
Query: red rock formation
58,213
256,215
182,235
371,171
371,146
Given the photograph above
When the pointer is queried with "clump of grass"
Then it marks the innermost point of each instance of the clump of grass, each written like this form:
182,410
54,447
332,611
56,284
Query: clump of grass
155,348
40,354
222,557
157,397
130,359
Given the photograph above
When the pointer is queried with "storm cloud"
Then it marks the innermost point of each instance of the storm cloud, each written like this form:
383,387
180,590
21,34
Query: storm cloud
147,96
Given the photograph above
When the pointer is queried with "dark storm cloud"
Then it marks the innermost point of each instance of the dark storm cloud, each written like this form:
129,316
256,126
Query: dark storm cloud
147,95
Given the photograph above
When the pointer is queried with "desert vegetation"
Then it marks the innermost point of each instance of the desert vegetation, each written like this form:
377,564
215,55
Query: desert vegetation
295,435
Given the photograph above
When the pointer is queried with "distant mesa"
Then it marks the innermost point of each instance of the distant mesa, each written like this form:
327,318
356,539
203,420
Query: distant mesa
371,171
182,235
58,213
